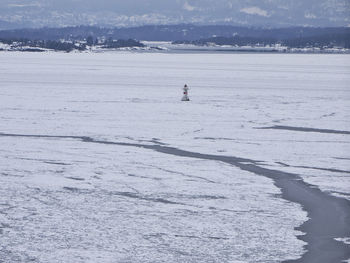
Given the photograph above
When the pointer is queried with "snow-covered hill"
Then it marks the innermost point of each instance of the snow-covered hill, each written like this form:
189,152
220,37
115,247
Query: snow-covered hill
271,13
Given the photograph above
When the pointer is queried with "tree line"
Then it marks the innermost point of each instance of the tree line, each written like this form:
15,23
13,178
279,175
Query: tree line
318,41
181,32
68,46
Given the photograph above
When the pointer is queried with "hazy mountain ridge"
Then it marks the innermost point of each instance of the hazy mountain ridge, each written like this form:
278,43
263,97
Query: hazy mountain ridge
268,13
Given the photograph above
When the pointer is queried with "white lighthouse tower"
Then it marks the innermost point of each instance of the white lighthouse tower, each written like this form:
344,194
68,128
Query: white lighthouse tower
185,95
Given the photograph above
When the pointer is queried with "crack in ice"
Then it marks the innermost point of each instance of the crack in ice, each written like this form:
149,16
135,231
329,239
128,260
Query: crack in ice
329,216
304,129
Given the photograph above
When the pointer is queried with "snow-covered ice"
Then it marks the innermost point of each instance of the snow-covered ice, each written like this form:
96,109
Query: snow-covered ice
64,199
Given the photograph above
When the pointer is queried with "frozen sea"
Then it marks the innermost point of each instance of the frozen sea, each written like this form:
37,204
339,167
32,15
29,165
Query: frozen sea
81,181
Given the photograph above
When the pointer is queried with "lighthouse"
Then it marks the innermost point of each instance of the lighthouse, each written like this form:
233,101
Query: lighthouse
185,95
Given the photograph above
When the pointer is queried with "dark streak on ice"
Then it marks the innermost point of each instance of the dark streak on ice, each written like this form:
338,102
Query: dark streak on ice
76,178
223,139
129,195
72,189
146,198
314,168
57,163
145,177
182,174
304,129
45,161
341,158
198,237
329,215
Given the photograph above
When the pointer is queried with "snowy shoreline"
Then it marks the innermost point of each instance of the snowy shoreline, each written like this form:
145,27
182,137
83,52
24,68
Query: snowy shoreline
168,47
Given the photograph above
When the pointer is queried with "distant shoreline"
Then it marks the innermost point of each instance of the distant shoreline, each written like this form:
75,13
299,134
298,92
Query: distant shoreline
184,38
184,50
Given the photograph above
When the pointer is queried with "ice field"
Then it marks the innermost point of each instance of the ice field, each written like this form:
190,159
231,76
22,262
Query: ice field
100,161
